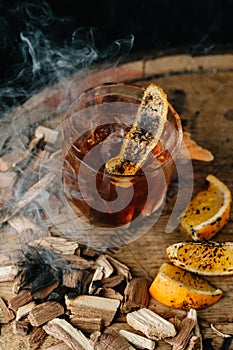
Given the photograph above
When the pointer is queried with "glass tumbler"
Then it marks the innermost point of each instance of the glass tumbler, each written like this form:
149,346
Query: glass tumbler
94,130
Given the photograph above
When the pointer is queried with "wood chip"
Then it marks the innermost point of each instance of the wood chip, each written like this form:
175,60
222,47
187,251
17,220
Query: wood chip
24,310
8,314
109,293
136,295
63,330
24,297
89,252
47,134
89,306
8,273
7,179
152,325
33,192
111,282
58,245
89,324
194,343
120,268
45,312
19,282
20,327
180,341
11,159
33,143
86,281
43,293
176,322
98,275
106,265
72,278
37,335
77,262
110,340
139,341
60,346
22,223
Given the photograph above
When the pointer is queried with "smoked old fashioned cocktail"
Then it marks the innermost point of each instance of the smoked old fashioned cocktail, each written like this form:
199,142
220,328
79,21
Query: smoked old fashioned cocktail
95,129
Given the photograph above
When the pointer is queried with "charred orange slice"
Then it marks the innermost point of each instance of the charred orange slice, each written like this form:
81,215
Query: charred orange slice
208,211
203,258
144,134
181,289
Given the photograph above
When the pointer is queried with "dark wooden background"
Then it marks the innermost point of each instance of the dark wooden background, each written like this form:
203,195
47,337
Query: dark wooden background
192,27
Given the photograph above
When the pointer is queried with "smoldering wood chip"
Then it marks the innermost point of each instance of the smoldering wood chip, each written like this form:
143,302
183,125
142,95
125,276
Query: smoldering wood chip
43,293
43,276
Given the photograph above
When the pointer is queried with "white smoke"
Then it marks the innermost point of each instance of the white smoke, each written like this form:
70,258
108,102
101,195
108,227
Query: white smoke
42,58
42,61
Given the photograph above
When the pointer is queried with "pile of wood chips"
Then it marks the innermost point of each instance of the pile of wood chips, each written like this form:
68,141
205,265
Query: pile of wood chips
75,294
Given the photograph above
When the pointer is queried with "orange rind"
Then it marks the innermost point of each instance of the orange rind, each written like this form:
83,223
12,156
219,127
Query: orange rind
209,211
144,134
203,258
181,289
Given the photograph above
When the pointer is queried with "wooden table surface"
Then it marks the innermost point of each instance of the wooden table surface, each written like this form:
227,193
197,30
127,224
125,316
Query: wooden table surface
201,90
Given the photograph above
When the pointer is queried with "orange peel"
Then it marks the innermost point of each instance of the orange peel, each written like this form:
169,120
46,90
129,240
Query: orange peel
203,258
144,134
180,289
209,211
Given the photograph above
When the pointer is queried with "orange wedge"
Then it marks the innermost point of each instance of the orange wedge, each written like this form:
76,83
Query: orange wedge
181,289
203,258
208,211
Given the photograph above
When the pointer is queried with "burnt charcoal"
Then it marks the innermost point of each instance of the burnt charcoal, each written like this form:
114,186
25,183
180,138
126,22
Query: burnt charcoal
40,267
44,276
72,293
58,295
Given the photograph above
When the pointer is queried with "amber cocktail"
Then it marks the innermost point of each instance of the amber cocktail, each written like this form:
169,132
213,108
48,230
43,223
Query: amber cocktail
94,131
